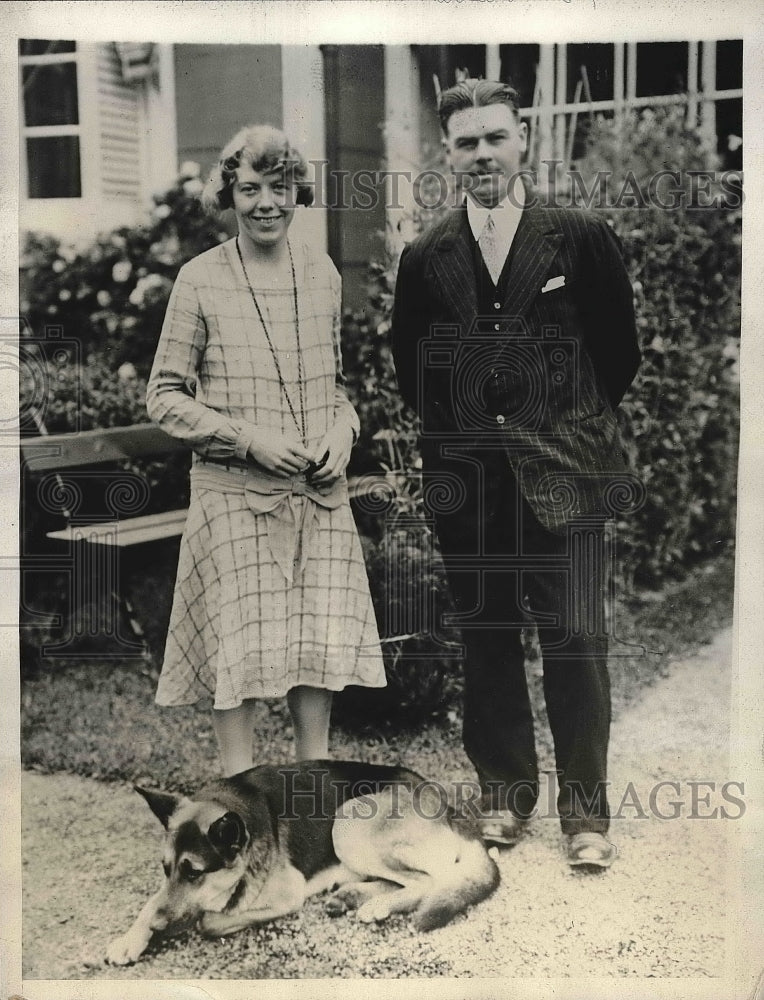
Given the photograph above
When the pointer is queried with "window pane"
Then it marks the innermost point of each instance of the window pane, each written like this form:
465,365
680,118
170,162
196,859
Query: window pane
518,68
53,167
729,131
50,94
44,47
661,68
729,65
596,58
444,60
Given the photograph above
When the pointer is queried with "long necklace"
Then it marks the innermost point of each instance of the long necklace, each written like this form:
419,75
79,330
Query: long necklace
300,424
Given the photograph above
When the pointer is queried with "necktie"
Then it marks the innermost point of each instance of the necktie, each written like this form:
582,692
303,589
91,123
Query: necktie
489,248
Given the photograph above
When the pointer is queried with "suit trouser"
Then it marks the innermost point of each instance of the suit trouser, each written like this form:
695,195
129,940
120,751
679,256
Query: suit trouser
505,568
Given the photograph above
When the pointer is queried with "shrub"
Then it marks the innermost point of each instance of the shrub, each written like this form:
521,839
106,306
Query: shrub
406,576
77,396
680,419
111,296
410,595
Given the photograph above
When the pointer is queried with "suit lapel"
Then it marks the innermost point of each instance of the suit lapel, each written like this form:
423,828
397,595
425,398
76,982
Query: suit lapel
534,247
453,268
535,244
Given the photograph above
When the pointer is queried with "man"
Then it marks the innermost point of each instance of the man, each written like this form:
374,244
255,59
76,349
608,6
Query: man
514,339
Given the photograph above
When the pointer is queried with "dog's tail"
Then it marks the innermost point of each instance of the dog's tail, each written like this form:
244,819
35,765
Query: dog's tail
470,878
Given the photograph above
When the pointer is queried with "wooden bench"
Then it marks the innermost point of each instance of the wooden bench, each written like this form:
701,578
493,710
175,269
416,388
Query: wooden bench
56,454
59,452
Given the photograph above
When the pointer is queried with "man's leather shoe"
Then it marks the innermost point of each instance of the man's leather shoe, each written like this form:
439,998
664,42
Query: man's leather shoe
499,826
590,849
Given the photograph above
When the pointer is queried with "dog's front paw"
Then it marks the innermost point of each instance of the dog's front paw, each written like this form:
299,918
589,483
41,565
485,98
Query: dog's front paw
336,905
127,948
211,924
374,910
348,897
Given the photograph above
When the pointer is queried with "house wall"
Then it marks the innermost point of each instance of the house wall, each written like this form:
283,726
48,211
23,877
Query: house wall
219,89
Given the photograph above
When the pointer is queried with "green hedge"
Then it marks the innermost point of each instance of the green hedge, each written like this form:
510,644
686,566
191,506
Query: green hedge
680,420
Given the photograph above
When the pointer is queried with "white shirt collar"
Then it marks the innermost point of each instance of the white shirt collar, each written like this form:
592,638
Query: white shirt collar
506,215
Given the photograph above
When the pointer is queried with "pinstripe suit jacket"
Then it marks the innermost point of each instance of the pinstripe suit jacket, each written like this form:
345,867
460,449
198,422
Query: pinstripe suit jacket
542,373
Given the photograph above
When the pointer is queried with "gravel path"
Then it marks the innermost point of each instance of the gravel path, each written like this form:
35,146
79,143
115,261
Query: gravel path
663,910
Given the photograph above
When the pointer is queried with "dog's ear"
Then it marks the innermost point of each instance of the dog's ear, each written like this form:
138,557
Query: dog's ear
163,804
228,835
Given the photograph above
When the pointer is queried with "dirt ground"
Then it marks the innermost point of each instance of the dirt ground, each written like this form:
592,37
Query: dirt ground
667,908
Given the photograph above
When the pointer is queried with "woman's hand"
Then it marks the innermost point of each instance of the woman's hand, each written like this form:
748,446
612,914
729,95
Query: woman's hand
279,455
338,442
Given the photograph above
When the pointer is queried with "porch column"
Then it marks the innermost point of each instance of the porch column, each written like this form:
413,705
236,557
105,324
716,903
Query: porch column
302,84
708,86
402,144
545,114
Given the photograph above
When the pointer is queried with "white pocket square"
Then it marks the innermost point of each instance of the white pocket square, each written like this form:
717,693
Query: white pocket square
553,283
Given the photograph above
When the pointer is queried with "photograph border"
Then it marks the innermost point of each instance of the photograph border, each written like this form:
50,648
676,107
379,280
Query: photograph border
388,22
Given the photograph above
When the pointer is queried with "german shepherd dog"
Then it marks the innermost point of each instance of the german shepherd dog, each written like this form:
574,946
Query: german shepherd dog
251,848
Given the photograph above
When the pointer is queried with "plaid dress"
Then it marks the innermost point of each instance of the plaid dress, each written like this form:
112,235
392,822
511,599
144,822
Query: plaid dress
271,589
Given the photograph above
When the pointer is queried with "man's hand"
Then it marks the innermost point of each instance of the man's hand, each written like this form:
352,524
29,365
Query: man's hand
277,454
338,442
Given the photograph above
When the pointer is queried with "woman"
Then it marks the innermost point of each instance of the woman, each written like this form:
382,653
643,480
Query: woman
271,597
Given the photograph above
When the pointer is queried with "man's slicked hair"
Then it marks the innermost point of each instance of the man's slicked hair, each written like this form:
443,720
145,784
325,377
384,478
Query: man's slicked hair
471,93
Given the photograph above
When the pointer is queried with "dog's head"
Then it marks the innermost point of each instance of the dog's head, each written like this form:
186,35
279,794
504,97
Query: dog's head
204,858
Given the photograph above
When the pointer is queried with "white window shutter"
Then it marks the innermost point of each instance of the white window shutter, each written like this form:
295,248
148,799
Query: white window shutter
120,112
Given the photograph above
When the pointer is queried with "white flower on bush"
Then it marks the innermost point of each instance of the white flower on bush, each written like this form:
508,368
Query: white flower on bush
103,298
731,349
189,169
193,187
64,295
167,250
162,211
127,372
58,265
148,288
67,254
121,271
118,241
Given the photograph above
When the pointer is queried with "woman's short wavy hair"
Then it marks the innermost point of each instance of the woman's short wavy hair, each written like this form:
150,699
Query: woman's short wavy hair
267,150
